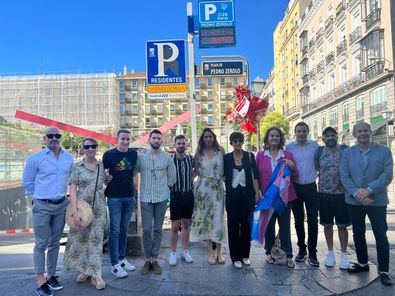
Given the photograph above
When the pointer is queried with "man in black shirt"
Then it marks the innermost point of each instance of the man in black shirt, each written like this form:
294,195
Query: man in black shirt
182,200
120,162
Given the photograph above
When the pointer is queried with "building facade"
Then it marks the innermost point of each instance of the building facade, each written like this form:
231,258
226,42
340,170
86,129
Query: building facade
214,95
85,100
286,58
346,65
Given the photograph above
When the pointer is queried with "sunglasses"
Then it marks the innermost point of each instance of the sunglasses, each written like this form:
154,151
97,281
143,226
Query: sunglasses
93,146
51,136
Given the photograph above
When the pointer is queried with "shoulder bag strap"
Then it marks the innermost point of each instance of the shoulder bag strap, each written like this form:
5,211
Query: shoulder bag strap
97,177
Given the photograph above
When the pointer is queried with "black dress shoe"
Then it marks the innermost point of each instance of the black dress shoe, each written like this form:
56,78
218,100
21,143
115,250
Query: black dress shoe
356,267
44,290
313,260
385,279
301,256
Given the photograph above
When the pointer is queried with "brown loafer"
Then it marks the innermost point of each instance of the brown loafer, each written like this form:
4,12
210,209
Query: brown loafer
146,268
156,267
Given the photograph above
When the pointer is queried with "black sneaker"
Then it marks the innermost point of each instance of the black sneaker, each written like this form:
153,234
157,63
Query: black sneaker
54,283
313,260
44,290
301,256
385,279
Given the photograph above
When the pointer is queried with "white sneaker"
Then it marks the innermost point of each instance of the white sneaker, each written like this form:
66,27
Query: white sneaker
186,256
118,271
238,264
330,259
173,258
126,265
344,264
246,261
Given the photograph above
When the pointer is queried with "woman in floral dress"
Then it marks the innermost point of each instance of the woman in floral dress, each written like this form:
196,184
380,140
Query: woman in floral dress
84,247
208,215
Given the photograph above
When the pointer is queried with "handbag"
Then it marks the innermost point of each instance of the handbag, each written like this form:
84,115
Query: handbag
278,254
85,210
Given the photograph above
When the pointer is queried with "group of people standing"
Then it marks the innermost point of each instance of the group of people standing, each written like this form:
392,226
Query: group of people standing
352,184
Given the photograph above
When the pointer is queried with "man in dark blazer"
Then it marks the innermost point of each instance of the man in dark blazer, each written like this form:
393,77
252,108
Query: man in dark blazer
366,171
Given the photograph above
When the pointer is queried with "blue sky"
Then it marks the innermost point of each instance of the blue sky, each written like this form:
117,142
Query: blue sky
47,36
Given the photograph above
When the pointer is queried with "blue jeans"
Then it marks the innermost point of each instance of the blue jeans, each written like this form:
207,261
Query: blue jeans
120,210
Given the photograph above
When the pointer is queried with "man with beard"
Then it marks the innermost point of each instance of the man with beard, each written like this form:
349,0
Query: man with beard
120,192
366,171
182,200
45,178
158,173
331,195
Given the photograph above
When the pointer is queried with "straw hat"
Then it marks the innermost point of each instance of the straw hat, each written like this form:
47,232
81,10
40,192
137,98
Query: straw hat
85,212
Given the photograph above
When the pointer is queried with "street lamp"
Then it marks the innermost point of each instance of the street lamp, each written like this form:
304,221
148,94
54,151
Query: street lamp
387,114
257,86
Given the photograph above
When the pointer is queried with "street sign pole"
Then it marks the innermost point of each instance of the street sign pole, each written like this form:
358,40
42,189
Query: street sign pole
192,80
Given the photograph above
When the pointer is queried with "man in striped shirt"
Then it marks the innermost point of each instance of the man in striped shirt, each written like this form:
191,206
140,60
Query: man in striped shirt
182,200
158,173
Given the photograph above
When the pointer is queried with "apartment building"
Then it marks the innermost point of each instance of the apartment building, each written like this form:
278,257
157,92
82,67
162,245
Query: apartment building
286,58
214,95
268,91
85,100
346,65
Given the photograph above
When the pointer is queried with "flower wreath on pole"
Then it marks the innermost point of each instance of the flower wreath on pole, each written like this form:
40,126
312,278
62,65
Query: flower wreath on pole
247,110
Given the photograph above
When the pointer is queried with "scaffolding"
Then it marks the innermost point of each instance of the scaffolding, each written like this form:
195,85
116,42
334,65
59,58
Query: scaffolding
86,100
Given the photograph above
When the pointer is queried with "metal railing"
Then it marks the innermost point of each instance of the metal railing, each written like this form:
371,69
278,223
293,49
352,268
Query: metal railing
373,18
320,66
311,43
328,23
374,69
304,50
377,109
330,58
340,9
355,35
341,47
305,78
312,73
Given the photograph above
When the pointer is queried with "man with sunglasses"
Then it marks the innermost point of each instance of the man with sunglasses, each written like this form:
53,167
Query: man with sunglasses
45,178
120,192
158,173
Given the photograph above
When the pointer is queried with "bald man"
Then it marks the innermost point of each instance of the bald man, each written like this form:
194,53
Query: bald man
366,171
45,178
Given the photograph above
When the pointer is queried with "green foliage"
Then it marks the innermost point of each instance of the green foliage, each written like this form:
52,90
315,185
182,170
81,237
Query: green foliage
274,118
71,142
199,129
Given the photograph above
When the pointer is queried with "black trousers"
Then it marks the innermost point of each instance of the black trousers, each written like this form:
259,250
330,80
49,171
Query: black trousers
239,229
307,197
284,229
378,220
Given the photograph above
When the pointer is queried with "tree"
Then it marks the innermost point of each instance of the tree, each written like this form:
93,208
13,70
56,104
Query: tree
199,130
276,119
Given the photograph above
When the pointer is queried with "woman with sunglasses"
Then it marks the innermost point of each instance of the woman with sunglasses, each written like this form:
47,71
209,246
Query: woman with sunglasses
85,245
208,223
267,161
242,191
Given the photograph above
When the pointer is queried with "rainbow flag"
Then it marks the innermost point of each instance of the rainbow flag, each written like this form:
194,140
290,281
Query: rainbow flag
275,199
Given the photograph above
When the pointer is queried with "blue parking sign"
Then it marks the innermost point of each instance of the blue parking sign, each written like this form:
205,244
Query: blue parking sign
216,13
166,62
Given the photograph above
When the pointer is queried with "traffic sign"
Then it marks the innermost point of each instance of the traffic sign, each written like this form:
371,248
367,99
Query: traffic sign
158,96
216,13
222,68
166,64
217,37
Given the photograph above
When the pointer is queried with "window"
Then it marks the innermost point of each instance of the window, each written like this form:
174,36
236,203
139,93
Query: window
333,117
197,81
372,48
331,80
372,5
160,108
122,109
147,121
160,120
134,97
209,81
172,107
122,97
343,72
122,84
210,107
223,94
135,122
346,111
135,108
360,103
235,81
356,19
223,107
147,108
378,96
222,81
322,87
210,94
134,83
184,107
197,94
356,63
323,120
210,120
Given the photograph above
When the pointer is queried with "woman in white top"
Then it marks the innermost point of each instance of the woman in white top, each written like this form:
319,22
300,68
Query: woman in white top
241,182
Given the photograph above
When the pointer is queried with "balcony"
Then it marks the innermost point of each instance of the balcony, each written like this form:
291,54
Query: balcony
290,112
377,109
312,74
319,34
330,58
128,112
203,98
123,124
373,18
305,78
311,43
340,9
203,86
304,51
229,85
359,114
128,88
320,66
355,35
328,23
341,48
128,100
178,111
374,69
128,125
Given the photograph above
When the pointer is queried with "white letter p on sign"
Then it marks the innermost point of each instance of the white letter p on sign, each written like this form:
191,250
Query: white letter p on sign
161,57
209,9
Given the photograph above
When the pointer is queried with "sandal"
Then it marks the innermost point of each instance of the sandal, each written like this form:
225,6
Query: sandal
82,278
269,259
211,259
290,263
220,259
98,282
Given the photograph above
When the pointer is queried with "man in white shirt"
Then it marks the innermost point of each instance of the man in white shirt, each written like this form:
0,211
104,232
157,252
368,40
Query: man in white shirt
303,151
